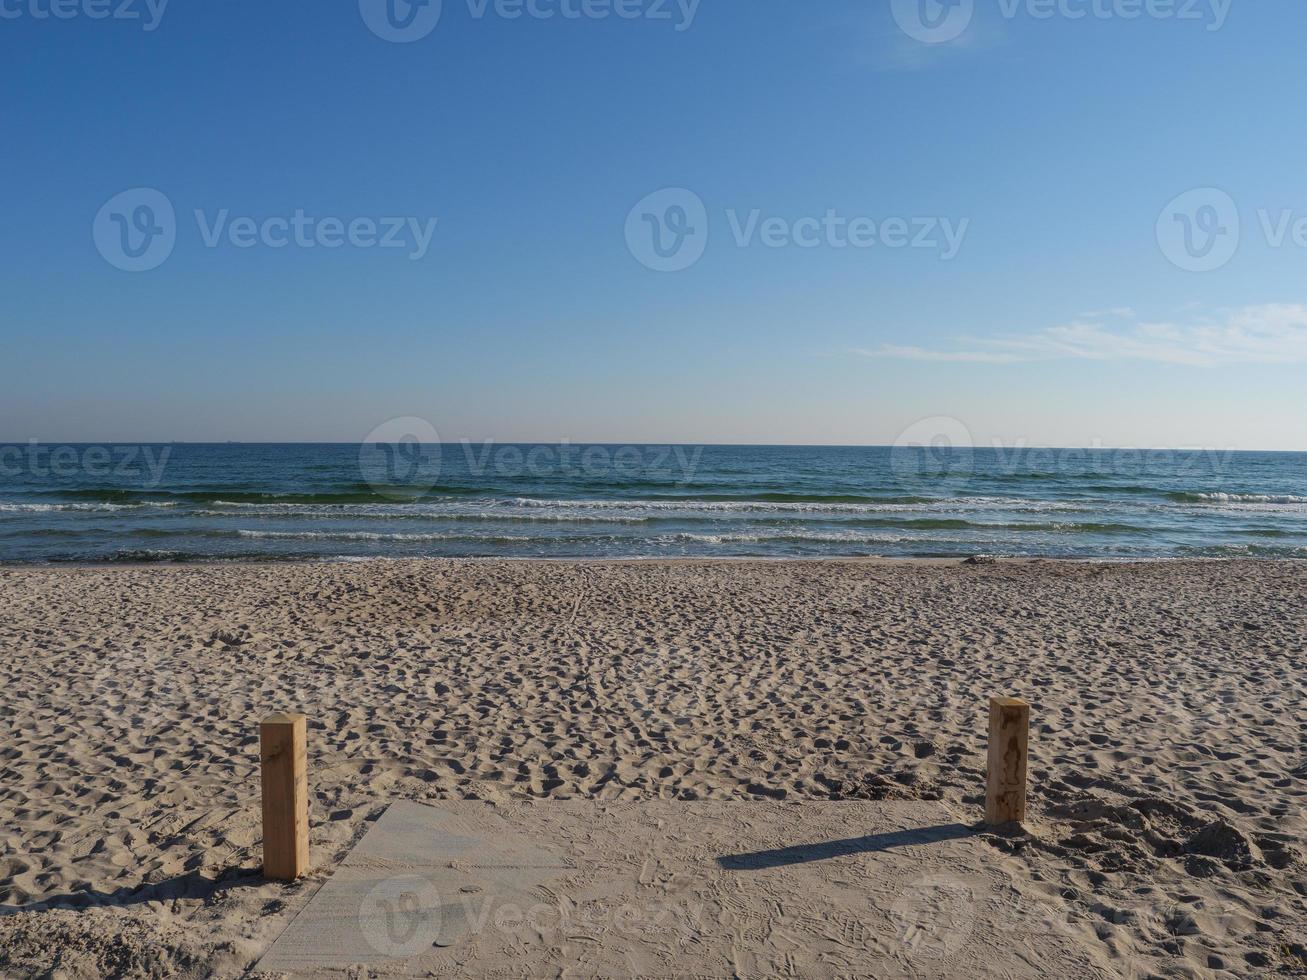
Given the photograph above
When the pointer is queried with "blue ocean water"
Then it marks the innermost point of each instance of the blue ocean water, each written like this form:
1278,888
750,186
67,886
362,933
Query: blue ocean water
279,502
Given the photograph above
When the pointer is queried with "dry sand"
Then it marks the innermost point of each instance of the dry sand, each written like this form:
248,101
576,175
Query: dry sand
1168,741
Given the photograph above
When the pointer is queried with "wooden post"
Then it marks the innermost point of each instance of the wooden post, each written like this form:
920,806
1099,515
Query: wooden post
1009,743
282,752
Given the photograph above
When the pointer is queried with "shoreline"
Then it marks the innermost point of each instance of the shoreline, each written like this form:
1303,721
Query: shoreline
927,560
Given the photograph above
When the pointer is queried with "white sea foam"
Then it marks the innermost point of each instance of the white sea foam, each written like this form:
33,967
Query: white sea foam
1251,498
95,508
369,536
809,507
401,511
797,537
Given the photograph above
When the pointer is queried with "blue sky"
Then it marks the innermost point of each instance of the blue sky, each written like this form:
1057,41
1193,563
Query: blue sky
1067,308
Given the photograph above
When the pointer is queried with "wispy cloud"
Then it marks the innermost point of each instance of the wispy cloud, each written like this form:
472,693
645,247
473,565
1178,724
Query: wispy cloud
1267,334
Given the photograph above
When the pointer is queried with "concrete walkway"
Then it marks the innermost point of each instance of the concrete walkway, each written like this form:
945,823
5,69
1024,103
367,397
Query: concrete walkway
664,888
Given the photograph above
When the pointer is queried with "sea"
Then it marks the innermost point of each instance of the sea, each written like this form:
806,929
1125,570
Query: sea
185,502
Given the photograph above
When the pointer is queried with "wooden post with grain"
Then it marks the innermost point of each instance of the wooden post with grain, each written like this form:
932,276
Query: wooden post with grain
284,759
1009,743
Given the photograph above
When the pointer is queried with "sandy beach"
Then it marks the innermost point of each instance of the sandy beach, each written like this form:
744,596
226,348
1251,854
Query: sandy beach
1167,740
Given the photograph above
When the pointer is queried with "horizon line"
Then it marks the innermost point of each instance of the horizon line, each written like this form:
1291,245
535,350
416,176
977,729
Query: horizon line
690,443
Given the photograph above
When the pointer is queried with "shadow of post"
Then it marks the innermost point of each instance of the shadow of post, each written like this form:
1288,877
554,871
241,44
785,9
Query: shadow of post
193,886
803,853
